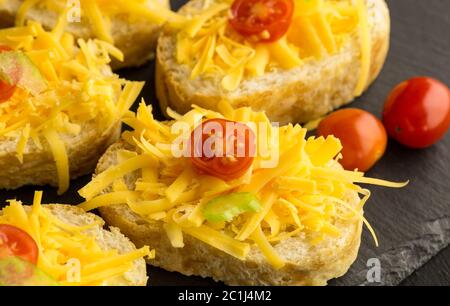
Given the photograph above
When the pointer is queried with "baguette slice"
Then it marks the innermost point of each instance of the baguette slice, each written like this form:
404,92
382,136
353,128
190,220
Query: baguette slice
306,264
106,239
136,40
297,95
39,167
64,129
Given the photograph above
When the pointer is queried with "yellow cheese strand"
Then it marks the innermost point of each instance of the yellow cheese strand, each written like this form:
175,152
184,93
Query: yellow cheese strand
101,27
175,234
266,248
118,197
104,179
58,149
219,240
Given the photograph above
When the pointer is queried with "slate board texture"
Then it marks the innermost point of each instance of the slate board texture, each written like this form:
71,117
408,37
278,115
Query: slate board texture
413,223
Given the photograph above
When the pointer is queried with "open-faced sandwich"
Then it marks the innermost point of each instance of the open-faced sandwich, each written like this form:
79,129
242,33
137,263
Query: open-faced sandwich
230,196
63,245
60,105
294,59
132,25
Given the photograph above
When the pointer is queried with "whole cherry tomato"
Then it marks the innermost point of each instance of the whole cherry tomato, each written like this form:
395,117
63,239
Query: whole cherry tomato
222,148
6,90
16,242
268,20
362,135
417,112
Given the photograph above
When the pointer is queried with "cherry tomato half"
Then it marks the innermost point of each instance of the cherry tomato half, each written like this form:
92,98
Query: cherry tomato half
362,135
222,148
268,20
6,90
417,112
16,242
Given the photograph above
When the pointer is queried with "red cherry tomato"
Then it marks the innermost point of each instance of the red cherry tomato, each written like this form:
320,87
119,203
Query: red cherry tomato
222,148
268,20
16,242
6,90
362,135
417,112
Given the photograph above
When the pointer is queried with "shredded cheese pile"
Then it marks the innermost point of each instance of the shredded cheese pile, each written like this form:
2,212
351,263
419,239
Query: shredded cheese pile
209,45
81,89
306,193
61,243
98,13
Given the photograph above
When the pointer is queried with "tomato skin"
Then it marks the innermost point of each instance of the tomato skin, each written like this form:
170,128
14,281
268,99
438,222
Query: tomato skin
5,48
13,237
217,165
417,112
253,17
362,135
6,90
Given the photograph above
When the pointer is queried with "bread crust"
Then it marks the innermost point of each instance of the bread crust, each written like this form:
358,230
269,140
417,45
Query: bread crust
305,264
137,41
298,95
39,168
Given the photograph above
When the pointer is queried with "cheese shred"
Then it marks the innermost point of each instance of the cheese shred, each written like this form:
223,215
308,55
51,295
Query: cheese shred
61,159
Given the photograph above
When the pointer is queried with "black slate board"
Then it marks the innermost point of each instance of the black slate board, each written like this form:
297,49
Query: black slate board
413,223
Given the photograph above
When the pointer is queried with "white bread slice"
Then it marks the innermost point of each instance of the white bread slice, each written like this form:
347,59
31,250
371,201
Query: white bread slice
297,95
106,239
306,264
39,167
137,40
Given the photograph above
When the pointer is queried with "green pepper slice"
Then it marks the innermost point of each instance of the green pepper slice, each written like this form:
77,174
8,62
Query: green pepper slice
225,208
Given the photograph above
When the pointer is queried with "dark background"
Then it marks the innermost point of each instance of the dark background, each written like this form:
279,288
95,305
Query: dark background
413,223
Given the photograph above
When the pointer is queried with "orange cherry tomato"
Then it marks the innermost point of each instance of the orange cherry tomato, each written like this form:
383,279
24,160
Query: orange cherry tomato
6,90
417,112
16,242
268,20
362,135
222,148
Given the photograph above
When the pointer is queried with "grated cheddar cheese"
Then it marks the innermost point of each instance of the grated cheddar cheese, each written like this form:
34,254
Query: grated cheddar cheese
208,44
304,193
62,243
81,89
98,13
